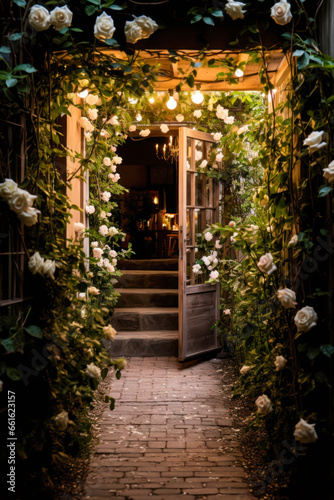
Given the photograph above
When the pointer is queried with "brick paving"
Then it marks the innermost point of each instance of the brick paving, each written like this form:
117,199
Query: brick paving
168,437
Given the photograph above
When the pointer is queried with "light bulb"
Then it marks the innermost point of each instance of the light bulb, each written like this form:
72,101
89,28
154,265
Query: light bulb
239,73
132,100
151,100
171,103
139,117
83,94
197,97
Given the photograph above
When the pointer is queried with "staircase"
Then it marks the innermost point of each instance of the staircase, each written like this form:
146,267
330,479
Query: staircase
146,317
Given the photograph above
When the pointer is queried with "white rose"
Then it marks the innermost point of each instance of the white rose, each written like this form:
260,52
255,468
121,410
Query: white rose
305,319
7,189
104,27
112,231
206,260
280,363
92,290
103,230
287,298
109,332
90,209
294,240
39,18
97,253
62,420
263,404
219,157
114,262
227,312
208,236
140,27
217,136
214,275
79,227
21,201
164,128
110,268
105,196
93,113
117,159
105,134
328,172
35,264
107,161
92,99
218,245
145,132
266,264
116,177
231,223
221,112
196,268
197,113
61,17
198,155
179,118
93,371
113,253
281,12
245,369
86,124
203,164
232,238
304,432
234,9
94,244
103,215
88,136
113,120
229,120
29,217
121,363
132,128
49,268
243,129
314,141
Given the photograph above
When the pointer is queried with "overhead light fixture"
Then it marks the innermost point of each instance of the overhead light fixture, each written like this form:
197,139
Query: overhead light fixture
197,96
139,117
83,94
242,61
239,73
133,100
171,103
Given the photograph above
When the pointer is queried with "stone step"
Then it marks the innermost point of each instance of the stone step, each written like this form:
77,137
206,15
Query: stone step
142,297
145,318
150,264
149,343
148,279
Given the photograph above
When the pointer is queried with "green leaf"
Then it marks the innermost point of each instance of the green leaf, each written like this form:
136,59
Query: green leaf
13,373
20,3
218,13
195,19
327,350
191,80
298,53
11,82
118,374
112,404
303,61
15,36
28,68
90,10
313,352
324,190
209,20
116,7
95,2
8,345
34,331
77,30
111,41
5,50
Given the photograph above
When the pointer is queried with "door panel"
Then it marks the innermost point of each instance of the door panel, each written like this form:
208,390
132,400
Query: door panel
198,207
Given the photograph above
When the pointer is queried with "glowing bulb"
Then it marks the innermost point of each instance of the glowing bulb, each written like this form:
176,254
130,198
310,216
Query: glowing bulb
197,97
132,100
139,117
83,94
155,200
171,103
239,73
151,100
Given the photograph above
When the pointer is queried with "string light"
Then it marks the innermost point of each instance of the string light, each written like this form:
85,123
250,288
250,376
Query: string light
239,73
197,97
132,100
171,103
151,100
139,117
83,94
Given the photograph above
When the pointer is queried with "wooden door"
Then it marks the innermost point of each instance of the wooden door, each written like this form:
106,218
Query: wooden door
198,207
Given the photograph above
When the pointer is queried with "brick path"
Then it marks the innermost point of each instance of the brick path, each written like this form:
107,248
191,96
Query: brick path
168,437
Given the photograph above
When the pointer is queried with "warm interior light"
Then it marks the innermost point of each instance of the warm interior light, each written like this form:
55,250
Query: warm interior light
155,200
139,117
239,73
197,97
151,100
132,100
171,103
83,94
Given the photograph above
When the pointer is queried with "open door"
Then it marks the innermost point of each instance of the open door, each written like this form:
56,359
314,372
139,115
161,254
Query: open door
198,207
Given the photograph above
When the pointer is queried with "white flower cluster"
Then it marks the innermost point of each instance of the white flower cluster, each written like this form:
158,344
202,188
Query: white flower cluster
20,201
37,265
222,114
41,19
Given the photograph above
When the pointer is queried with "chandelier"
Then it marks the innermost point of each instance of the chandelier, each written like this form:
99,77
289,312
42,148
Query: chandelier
167,151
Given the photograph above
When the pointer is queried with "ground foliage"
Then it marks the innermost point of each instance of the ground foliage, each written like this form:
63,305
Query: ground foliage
59,333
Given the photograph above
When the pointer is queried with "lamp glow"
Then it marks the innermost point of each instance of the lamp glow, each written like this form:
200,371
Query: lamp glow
139,117
83,94
197,97
239,73
171,103
151,100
